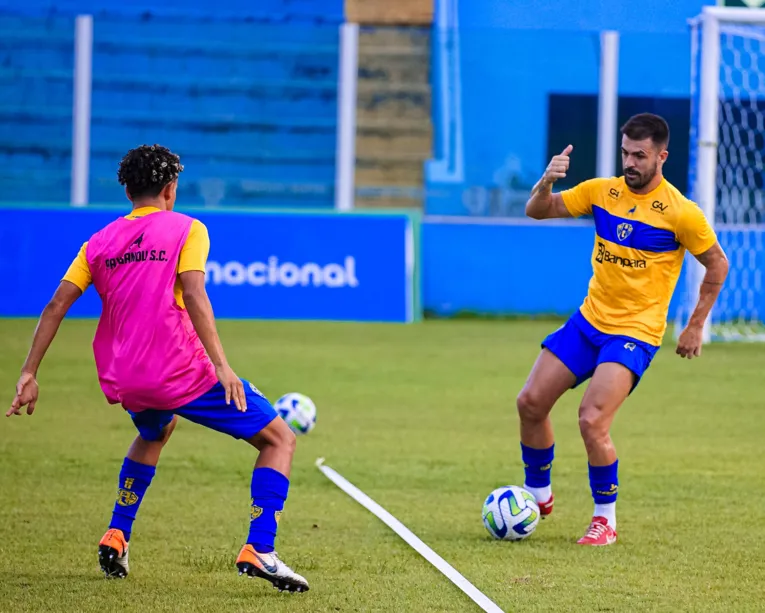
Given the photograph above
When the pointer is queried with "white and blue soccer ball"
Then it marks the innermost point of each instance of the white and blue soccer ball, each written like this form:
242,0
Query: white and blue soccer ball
298,410
510,513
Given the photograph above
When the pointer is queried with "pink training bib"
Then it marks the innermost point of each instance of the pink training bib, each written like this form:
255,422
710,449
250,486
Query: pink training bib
147,352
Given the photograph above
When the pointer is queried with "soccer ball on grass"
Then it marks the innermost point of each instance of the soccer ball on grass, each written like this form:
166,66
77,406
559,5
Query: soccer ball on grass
298,410
510,513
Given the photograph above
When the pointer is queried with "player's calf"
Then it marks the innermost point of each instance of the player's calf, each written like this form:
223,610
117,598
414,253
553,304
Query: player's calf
594,426
610,386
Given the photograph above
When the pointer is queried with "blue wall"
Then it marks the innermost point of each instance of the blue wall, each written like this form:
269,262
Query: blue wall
503,268
655,16
250,104
264,265
516,55
509,268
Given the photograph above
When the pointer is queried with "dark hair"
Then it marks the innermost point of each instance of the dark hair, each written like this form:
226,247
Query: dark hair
647,125
147,169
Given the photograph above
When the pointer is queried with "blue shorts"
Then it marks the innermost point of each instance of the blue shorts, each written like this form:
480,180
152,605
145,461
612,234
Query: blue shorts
581,347
211,411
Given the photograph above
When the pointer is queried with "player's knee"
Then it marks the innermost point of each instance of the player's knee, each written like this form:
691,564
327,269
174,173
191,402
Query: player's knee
168,430
531,406
290,442
591,424
284,438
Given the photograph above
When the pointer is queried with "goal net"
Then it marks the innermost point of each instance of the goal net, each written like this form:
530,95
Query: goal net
727,170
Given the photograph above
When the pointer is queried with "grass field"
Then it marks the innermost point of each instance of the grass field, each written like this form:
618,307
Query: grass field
422,419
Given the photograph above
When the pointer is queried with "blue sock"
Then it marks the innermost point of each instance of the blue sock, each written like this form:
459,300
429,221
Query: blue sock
135,479
538,465
269,492
604,483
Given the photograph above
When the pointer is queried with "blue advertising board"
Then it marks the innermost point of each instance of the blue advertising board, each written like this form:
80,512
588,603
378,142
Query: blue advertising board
262,264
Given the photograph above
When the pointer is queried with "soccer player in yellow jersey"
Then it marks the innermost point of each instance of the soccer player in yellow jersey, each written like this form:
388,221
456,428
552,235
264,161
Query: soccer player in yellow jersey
643,226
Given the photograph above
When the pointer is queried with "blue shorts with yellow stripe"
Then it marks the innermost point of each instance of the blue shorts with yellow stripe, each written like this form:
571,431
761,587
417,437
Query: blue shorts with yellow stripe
210,410
582,347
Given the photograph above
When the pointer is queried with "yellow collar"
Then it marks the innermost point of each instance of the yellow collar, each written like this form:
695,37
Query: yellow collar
142,212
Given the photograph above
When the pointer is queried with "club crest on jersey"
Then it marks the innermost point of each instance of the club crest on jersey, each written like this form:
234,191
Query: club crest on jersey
623,230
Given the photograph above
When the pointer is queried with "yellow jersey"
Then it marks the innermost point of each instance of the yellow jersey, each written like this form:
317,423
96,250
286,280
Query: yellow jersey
193,255
640,243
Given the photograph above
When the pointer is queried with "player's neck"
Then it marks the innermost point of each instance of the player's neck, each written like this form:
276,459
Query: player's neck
647,189
154,203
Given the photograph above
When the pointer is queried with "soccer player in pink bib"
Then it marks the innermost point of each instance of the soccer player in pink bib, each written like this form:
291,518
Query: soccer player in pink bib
158,354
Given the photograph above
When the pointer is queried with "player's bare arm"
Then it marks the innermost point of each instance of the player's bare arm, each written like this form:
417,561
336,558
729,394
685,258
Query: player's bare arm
716,264
53,314
543,204
201,313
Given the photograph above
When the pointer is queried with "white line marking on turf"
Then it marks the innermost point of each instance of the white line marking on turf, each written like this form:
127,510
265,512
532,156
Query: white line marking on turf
431,556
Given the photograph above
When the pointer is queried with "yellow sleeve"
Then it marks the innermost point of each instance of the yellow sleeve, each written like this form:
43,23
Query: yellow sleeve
694,231
578,199
79,271
195,249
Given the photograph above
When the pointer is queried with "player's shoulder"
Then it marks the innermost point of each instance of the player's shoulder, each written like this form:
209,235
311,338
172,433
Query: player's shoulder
183,216
671,203
197,228
193,221
603,190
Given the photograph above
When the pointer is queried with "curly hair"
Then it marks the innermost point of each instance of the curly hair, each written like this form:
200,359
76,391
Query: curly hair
147,169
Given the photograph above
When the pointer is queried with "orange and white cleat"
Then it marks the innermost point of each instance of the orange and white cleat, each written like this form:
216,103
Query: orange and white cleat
268,566
113,554
545,508
599,533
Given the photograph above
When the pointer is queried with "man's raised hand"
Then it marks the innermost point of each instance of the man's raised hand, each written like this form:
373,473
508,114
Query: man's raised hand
558,166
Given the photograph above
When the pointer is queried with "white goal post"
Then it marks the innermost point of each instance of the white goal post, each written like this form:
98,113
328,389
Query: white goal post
726,163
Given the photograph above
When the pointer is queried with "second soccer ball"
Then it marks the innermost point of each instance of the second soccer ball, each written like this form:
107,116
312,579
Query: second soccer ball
298,410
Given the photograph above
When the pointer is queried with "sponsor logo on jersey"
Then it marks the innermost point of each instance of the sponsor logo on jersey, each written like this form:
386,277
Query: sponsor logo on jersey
604,256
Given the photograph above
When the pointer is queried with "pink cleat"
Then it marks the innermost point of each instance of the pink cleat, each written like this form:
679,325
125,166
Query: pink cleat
598,534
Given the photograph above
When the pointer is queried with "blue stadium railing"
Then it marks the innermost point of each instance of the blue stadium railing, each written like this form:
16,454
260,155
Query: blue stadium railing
251,107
